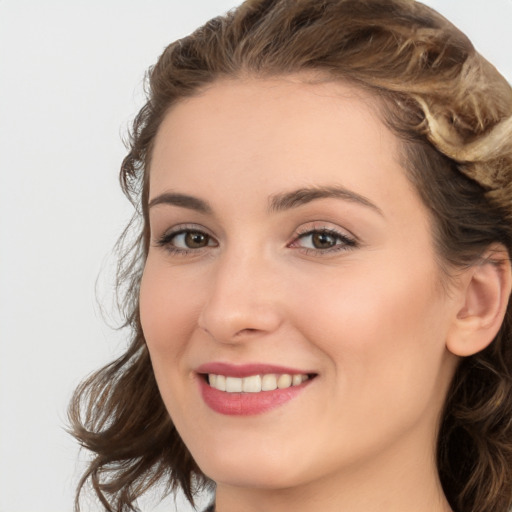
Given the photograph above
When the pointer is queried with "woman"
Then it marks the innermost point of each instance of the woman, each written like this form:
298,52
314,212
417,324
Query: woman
319,290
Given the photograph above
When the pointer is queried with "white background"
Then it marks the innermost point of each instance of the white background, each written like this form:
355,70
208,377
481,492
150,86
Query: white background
70,82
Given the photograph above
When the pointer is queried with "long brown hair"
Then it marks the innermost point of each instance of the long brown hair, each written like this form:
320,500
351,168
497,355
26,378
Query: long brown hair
452,111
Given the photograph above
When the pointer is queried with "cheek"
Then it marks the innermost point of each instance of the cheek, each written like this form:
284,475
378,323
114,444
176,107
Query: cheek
168,314
168,310
384,335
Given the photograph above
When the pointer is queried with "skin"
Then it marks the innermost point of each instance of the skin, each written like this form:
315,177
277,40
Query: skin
370,318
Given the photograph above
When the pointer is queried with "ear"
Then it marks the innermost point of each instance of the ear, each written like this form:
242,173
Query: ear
484,293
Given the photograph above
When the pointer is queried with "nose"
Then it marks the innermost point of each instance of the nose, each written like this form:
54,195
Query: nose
242,301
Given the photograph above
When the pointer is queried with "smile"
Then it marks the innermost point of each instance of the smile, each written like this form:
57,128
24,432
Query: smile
250,389
255,383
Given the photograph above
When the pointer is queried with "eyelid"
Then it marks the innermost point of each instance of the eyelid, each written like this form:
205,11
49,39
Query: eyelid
165,239
324,226
179,228
349,241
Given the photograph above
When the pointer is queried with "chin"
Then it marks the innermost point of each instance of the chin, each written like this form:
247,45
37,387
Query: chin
267,478
250,469
280,467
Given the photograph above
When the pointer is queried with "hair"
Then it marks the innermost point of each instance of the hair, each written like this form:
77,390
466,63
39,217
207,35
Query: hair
452,112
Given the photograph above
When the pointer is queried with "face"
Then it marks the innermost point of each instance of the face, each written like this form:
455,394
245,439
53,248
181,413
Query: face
289,249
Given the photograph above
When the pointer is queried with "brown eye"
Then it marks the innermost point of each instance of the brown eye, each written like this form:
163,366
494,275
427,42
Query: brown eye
186,240
196,240
323,240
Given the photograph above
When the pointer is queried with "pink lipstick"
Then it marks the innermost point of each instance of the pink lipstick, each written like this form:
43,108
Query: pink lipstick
242,390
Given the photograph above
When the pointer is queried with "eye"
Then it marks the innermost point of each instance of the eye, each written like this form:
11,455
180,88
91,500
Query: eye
191,240
323,241
184,241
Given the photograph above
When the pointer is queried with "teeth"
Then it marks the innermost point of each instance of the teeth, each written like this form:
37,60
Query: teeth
251,384
233,385
269,382
220,383
255,383
284,381
297,379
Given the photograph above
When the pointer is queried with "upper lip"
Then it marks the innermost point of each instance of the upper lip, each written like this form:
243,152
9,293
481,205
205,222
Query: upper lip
246,370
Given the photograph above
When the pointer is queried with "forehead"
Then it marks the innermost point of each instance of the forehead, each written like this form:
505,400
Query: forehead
260,126
253,101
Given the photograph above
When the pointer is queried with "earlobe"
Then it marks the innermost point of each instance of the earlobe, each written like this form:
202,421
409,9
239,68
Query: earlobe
485,295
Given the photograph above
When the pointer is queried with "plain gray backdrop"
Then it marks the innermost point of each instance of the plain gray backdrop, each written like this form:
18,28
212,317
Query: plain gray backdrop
71,77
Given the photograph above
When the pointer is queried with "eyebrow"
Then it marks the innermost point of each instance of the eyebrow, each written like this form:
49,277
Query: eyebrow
301,196
277,202
182,200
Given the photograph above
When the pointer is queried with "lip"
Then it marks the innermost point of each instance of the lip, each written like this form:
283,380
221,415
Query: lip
246,370
246,404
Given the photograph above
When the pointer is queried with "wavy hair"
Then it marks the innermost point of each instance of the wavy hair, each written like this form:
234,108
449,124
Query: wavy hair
452,112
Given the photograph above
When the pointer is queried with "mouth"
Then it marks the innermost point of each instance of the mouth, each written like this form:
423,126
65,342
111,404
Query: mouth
249,389
255,383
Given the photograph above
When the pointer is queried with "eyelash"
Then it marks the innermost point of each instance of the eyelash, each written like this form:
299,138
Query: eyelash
342,241
166,240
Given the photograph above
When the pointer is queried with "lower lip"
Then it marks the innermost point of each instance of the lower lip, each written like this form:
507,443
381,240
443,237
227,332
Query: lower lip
247,404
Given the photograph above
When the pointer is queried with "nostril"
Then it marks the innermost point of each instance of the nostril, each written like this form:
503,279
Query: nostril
246,331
